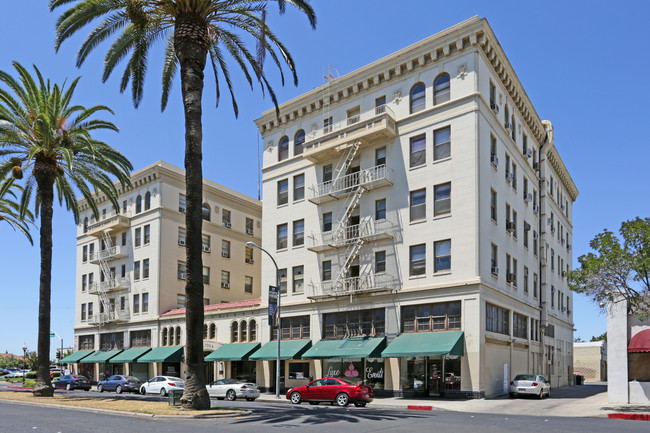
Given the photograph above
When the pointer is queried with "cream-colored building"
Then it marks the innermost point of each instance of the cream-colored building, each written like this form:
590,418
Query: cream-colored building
131,270
421,218
590,360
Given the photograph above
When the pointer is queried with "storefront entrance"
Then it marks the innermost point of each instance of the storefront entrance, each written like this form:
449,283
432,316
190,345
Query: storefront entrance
442,375
244,370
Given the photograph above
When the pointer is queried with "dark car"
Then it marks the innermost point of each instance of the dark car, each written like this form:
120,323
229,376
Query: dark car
338,391
119,384
72,381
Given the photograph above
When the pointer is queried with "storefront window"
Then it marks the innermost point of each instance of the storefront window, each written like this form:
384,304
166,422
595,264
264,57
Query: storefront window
412,372
369,371
299,370
452,372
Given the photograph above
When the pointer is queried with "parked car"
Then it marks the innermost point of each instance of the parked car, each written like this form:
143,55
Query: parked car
337,391
530,384
231,389
162,385
16,373
72,381
119,384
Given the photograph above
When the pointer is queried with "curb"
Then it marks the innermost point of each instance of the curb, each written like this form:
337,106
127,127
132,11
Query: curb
630,416
416,407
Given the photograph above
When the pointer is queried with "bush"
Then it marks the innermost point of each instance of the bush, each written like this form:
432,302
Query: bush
30,375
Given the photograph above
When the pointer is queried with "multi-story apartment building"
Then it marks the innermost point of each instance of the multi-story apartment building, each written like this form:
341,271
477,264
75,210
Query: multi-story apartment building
131,270
421,219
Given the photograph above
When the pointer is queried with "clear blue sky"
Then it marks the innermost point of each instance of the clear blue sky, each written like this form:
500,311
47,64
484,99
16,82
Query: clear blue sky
578,61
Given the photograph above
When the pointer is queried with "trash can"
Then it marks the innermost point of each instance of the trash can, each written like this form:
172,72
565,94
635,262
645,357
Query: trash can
174,397
580,379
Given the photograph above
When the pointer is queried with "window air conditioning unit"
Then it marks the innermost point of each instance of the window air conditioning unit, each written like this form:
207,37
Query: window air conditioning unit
494,160
549,221
181,275
205,248
249,232
528,153
181,209
535,165
528,197
568,246
535,208
181,242
552,289
511,226
250,261
562,207
511,277
225,285
495,271
535,235
227,224
509,176
552,229
508,126
494,108
225,254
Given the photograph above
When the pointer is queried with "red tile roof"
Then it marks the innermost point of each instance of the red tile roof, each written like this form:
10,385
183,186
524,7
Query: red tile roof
223,306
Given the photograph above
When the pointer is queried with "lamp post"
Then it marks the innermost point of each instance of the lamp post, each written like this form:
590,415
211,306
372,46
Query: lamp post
61,352
24,362
277,273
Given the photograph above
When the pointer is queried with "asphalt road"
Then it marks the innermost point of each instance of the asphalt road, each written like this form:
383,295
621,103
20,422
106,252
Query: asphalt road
269,417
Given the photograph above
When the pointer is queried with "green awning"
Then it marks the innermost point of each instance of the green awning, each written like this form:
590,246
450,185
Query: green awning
289,349
100,356
233,352
426,344
355,347
76,356
130,355
163,354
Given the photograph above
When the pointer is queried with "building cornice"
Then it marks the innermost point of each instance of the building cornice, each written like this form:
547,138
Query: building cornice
556,162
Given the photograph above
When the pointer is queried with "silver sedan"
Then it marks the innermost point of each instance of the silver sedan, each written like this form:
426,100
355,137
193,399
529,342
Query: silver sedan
232,389
530,384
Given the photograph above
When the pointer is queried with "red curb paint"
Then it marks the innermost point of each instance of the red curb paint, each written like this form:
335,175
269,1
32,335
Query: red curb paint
20,387
632,416
414,407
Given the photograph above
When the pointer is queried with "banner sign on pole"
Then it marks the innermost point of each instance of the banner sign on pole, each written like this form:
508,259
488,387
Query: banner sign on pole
273,306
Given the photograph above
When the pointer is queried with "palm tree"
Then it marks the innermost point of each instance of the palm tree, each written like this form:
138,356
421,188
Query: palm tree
47,138
193,30
10,209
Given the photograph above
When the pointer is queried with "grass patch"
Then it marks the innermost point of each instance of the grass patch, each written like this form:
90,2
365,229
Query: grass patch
117,404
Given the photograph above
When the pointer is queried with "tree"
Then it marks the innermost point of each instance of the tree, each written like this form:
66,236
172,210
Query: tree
46,137
617,271
193,30
601,337
10,209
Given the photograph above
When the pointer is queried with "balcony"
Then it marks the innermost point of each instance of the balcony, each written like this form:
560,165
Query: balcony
369,128
369,178
109,317
367,231
363,284
110,222
110,285
108,254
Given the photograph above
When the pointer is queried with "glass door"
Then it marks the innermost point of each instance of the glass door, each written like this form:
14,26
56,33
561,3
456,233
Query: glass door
434,376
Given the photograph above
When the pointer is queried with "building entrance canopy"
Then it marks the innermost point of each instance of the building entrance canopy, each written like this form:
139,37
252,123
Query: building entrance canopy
233,352
289,349
426,344
164,354
130,355
76,356
355,347
640,342
100,356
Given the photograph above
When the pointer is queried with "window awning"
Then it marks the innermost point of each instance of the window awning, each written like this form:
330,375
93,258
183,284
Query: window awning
426,344
640,342
76,356
355,347
163,354
100,356
130,355
233,352
289,349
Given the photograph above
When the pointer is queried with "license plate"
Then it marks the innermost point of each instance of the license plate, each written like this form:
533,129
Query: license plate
521,389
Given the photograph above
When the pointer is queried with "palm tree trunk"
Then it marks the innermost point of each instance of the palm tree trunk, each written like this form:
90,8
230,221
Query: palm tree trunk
45,173
190,35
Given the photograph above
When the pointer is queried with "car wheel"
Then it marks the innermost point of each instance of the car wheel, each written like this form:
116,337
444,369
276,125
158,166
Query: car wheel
342,399
68,387
359,404
230,395
548,394
143,391
541,394
295,397
163,392
99,388
118,389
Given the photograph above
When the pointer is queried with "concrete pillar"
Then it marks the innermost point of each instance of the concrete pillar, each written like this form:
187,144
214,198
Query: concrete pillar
617,374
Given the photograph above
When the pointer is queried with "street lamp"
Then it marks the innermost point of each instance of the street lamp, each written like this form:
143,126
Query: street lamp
277,272
52,333
24,362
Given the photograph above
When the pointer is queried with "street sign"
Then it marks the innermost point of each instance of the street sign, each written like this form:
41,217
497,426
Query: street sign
273,306
52,335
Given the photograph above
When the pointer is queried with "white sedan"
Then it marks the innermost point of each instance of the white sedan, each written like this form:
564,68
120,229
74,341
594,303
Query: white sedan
162,385
530,384
232,389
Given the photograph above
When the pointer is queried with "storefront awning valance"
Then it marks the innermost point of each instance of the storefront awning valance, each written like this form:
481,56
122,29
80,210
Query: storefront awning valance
76,356
233,352
289,349
426,344
100,356
355,347
130,355
163,354
640,342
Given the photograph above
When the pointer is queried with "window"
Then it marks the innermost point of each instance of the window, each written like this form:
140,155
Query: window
206,275
513,128
281,239
442,203
253,330
380,105
124,203
205,211
145,302
535,236
298,279
535,282
519,326
298,233
213,331
90,310
441,89
136,304
293,328
417,260
327,125
442,143
418,205
327,221
83,312
205,243
493,151
526,232
493,205
283,280
138,204
234,332
552,259
136,270
514,272
327,270
225,279
298,187
86,225
122,303
368,323
514,224
147,201
248,255
85,254
418,98
145,268
90,280
552,296
180,303
182,271
380,209
84,282
441,316
283,192
494,260
442,251
283,149
298,142
181,203
147,234
243,330
514,176
249,226
498,319
327,173
353,115
248,284
525,279
225,218
493,95
138,237
225,249
418,151
380,156
380,261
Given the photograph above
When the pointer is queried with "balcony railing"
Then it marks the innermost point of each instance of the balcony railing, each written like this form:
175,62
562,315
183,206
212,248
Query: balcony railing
112,253
110,285
109,317
110,221
368,178
342,236
366,283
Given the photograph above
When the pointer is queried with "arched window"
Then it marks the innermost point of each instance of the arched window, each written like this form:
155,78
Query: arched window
235,332
418,98
138,204
213,331
178,335
243,330
164,337
85,224
205,211
512,123
283,148
147,201
441,87
253,330
298,141
205,331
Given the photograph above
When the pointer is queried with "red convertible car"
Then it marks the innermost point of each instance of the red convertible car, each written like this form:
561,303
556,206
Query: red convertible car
337,391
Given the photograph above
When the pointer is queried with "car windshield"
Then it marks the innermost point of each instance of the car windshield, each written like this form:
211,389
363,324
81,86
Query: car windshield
174,379
525,377
80,377
131,378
